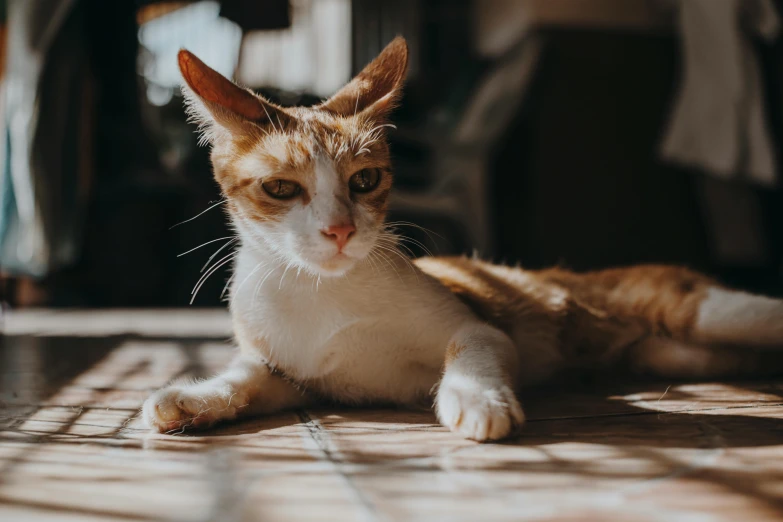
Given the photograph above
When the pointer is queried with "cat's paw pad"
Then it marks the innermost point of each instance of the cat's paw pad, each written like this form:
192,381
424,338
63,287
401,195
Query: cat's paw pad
174,409
479,412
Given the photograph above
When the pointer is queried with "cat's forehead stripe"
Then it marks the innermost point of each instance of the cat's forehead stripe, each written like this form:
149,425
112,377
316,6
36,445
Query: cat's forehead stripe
341,139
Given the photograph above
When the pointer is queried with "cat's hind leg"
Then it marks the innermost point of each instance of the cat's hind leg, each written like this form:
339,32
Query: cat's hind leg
711,331
476,394
678,359
246,387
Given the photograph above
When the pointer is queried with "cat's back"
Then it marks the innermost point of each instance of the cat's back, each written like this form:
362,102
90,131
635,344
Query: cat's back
496,293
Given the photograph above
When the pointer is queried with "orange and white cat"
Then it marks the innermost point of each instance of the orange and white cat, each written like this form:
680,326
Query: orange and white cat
324,308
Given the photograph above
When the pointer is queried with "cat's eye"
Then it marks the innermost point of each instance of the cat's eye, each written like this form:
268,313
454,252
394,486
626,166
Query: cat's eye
281,188
365,180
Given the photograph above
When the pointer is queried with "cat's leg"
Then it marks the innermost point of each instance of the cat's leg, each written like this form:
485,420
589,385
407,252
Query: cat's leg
476,394
678,359
247,387
698,328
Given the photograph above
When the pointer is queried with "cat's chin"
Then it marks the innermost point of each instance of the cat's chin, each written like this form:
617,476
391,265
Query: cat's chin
336,266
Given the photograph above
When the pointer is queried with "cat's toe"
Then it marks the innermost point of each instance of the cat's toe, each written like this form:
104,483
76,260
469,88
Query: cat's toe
478,412
170,410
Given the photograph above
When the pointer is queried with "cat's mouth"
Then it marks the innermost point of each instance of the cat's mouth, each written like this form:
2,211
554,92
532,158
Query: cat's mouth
337,264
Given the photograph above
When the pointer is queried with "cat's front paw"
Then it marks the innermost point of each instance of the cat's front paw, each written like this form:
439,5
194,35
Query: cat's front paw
477,411
175,408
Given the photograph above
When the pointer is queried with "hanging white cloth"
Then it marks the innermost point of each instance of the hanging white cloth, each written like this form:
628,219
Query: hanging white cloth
718,123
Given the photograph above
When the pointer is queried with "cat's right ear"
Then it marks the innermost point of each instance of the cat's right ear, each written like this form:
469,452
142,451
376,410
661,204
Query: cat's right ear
221,107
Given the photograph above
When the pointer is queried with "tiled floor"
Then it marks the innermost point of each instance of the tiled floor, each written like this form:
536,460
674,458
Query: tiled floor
71,447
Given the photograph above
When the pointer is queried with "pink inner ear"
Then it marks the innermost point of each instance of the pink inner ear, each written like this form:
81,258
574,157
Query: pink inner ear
380,78
213,87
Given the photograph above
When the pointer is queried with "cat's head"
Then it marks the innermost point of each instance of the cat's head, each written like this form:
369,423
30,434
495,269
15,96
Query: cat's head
310,184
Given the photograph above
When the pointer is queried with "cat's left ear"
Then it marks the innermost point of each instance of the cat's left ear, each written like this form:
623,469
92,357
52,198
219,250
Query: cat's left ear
376,89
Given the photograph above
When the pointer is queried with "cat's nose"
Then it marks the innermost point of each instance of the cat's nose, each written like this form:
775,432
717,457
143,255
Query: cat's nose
339,233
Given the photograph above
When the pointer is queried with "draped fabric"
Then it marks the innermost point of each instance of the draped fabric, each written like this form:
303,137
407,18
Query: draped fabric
718,124
45,151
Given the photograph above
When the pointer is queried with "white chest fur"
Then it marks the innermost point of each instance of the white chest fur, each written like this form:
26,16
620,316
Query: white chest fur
374,334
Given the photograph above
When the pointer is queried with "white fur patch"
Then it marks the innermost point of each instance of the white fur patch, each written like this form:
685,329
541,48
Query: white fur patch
379,332
728,316
252,166
474,397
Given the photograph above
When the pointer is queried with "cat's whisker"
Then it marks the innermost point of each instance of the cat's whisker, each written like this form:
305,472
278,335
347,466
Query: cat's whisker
379,257
388,260
205,275
417,243
395,241
230,257
370,261
387,244
407,250
392,243
410,252
261,283
413,225
208,275
404,259
199,214
403,239
280,286
217,252
367,136
205,244
255,269
270,118
225,287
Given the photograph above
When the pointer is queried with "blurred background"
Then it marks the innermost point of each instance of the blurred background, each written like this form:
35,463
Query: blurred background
584,133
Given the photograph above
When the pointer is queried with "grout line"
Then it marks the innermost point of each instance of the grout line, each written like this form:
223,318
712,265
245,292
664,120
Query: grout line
704,458
328,453
21,419
4,405
26,419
